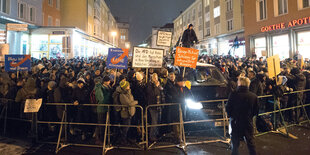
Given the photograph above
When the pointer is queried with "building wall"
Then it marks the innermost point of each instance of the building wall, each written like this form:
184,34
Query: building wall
253,26
123,32
74,13
206,29
51,11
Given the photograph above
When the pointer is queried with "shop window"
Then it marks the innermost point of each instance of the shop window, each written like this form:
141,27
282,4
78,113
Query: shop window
304,44
229,25
217,11
229,5
5,6
21,10
261,9
281,46
32,14
260,46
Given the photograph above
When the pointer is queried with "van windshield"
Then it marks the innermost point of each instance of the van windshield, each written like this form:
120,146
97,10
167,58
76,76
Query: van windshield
206,75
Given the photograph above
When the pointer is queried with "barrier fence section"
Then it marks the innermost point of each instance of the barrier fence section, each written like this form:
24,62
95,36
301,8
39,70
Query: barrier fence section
67,125
274,112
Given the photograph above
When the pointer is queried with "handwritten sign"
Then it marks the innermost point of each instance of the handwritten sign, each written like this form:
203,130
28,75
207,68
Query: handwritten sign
147,57
164,38
32,105
117,58
186,57
17,63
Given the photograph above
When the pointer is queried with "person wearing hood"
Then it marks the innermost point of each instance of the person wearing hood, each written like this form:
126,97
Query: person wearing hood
29,91
5,84
189,37
123,96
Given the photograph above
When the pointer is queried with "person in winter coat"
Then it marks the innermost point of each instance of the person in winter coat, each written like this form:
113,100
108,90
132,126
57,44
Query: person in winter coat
83,112
255,86
123,96
189,37
103,96
241,107
153,94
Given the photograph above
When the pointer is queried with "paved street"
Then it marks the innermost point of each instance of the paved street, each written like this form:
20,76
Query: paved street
273,144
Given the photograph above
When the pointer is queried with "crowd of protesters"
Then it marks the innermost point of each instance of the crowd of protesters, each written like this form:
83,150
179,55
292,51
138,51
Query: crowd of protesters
82,81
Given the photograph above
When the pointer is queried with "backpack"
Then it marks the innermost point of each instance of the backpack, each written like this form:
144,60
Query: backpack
116,101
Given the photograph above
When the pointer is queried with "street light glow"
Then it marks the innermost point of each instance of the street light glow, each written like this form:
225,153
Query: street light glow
113,33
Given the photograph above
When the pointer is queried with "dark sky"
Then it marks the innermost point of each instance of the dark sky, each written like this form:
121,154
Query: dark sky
143,14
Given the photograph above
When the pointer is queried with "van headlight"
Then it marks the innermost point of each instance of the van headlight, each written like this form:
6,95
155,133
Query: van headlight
193,105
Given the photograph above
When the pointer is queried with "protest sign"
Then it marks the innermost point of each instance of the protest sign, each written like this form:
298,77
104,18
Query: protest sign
164,38
117,58
32,105
273,66
186,57
17,63
147,57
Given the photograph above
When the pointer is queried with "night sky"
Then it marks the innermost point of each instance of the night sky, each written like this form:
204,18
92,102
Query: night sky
143,14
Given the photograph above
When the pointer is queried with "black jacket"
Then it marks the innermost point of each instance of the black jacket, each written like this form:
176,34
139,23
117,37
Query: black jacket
188,38
256,87
153,94
241,107
171,92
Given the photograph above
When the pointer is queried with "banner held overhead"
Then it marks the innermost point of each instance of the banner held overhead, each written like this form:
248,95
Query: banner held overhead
147,57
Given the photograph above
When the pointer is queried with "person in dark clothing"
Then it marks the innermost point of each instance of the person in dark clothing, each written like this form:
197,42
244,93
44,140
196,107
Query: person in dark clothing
241,107
189,37
255,86
153,93
83,112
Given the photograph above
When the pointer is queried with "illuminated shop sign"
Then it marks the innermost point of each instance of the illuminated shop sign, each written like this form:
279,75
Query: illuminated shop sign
280,26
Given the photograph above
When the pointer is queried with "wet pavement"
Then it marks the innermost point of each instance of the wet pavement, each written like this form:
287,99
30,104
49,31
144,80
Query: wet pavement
271,143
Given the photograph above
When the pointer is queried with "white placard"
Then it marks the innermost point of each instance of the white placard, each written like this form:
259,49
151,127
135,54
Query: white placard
164,38
147,57
32,105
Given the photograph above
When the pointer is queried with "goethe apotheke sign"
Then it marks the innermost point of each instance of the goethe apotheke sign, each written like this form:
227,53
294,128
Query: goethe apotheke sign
297,22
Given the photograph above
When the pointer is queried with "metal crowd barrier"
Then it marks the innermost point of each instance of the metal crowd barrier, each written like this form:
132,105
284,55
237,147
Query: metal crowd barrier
107,145
145,145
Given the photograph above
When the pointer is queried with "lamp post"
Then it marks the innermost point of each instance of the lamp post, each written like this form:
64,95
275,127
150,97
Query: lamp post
113,36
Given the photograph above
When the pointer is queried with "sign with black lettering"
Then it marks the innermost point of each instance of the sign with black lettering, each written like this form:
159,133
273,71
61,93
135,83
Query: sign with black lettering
164,38
147,57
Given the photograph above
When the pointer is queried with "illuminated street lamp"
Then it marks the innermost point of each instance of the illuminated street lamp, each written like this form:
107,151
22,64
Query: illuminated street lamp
113,35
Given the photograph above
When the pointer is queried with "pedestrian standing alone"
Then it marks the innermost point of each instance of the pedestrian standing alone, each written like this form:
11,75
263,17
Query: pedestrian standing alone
242,106
189,37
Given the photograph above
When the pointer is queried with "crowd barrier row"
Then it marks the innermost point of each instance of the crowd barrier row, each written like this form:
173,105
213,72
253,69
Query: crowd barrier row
142,114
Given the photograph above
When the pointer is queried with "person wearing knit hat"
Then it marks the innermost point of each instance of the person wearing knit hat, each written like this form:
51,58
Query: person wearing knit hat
124,85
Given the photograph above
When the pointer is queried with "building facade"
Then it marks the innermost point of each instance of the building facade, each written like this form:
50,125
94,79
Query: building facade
21,12
51,12
217,23
123,34
277,27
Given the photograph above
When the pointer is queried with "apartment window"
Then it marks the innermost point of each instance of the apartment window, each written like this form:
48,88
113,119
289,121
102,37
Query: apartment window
282,7
305,3
189,17
21,10
207,16
229,25
194,14
200,23
32,14
229,5
207,2
57,22
5,6
208,32
50,2
200,9
262,9
58,4
217,29
123,37
217,11
49,21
